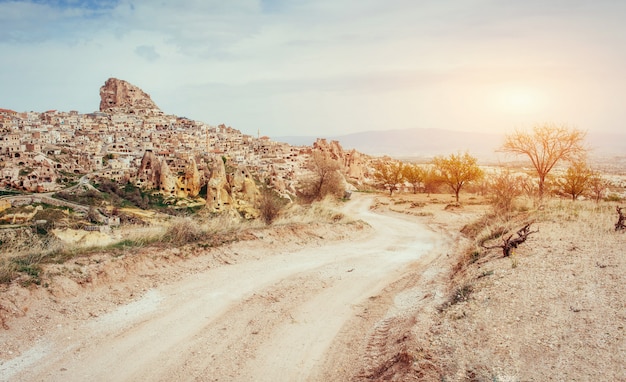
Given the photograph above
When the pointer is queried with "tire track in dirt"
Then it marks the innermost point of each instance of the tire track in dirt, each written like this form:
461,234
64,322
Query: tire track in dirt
269,319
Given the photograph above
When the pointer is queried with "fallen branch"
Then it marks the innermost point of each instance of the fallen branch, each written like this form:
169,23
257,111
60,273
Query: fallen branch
620,225
510,243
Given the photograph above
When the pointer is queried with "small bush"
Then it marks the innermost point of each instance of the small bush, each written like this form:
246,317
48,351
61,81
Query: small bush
270,205
184,230
7,272
504,188
461,294
613,198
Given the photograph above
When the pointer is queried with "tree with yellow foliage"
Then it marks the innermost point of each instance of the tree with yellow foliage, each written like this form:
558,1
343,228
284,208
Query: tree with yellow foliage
456,170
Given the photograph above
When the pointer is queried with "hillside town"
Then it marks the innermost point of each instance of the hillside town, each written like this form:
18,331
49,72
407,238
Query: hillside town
131,140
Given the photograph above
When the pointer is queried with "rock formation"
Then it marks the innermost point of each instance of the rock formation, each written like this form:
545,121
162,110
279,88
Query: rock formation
232,192
218,198
333,148
189,184
245,192
118,96
353,163
154,173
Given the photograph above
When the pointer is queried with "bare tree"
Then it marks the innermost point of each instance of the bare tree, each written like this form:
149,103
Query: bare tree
546,146
389,175
414,174
576,179
597,185
325,178
456,170
269,204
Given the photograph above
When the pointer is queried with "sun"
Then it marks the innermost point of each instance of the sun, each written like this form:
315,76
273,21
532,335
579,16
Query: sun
520,100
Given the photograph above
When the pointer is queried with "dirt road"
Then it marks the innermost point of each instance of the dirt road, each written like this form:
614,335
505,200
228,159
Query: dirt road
269,319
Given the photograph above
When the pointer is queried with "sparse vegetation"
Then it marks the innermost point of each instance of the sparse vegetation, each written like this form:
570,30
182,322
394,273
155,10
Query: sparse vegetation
621,218
597,186
27,250
503,188
270,205
184,231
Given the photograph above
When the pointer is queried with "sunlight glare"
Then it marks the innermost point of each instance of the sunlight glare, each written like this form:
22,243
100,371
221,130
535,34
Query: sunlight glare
520,100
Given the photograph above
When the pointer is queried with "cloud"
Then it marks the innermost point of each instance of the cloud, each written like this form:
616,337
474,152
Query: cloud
37,21
148,52
319,61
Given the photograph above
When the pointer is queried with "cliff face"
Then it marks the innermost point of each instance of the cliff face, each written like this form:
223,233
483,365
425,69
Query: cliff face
119,96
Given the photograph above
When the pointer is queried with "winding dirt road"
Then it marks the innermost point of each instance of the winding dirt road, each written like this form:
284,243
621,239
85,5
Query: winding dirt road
270,319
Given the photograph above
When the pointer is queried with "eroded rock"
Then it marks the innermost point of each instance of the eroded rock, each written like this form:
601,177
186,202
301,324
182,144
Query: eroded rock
119,96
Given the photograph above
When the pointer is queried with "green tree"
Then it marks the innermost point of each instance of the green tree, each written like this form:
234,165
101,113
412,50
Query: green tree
388,175
456,170
415,175
545,147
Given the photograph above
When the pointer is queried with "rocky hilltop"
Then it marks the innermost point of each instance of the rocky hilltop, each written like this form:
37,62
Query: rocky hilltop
119,96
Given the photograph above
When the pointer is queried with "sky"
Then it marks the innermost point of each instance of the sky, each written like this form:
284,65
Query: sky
326,67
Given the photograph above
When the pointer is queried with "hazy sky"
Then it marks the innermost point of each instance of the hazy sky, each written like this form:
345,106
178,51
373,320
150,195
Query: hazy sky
326,67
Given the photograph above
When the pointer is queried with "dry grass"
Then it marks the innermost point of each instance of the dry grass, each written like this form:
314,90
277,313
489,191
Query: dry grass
24,252
326,211
559,299
23,241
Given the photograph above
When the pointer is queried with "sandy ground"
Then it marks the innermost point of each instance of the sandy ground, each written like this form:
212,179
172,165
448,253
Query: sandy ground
346,302
272,313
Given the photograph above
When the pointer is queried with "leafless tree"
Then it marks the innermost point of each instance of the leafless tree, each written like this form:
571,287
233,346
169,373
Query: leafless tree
597,186
325,178
546,146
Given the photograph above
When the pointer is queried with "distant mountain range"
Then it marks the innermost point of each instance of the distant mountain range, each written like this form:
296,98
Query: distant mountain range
426,143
